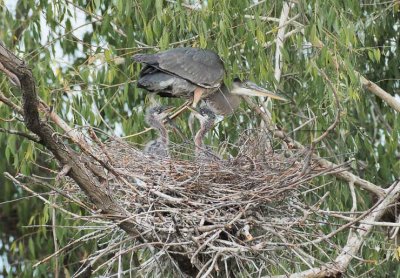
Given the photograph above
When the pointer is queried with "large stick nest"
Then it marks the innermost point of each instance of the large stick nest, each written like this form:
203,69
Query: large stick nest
222,214
207,210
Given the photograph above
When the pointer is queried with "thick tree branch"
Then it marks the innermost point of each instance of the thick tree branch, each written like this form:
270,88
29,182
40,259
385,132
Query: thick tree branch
86,180
378,91
279,40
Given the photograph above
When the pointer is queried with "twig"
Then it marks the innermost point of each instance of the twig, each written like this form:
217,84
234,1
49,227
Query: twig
214,260
55,241
31,137
11,104
16,182
337,103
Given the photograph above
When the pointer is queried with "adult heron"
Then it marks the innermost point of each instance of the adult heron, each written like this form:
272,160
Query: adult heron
207,121
155,118
196,74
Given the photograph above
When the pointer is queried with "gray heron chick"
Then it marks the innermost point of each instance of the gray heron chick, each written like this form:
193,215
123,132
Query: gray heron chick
207,120
196,74
155,118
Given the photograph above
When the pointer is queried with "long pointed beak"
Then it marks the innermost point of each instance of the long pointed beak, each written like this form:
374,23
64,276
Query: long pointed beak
196,113
262,92
251,89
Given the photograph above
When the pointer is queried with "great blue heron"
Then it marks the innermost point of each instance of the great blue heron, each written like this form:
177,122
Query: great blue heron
196,74
207,120
155,118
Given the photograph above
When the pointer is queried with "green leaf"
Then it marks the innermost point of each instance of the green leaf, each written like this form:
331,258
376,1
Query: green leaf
377,55
31,247
159,8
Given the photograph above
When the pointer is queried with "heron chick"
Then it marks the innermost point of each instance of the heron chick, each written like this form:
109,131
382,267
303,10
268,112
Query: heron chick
207,120
155,118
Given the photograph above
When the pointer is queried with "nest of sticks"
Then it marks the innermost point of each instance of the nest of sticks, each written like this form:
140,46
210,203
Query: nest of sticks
222,215
225,208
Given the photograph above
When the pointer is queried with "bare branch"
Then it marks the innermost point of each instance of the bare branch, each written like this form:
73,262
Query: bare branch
31,137
378,91
280,39
354,242
11,104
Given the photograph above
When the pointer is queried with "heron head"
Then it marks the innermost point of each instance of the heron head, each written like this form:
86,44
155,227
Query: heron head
203,114
159,112
248,88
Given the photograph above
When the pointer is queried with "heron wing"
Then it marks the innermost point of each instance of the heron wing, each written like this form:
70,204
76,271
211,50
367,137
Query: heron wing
199,66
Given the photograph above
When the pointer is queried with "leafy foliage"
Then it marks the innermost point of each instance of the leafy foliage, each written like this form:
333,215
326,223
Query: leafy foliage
79,51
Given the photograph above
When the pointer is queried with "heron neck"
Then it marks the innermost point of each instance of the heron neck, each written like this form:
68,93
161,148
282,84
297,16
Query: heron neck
199,138
162,131
223,102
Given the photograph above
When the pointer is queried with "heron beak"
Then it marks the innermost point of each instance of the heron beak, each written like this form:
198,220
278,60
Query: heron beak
251,89
165,112
196,113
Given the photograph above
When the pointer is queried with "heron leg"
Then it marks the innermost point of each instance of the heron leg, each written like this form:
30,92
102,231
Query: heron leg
191,124
197,96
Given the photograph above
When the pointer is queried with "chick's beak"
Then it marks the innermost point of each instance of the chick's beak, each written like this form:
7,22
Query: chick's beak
196,113
166,111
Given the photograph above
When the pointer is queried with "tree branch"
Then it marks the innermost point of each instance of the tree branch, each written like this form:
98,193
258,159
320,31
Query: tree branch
369,85
31,137
79,172
354,242
11,104
378,91
279,40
